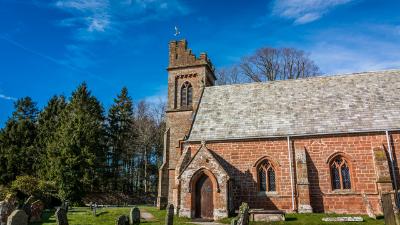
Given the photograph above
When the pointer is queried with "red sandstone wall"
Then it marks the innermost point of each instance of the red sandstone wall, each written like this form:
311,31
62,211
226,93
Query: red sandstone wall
241,156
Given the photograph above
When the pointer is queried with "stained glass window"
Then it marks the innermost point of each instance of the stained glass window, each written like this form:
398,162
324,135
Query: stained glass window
340,173
262,179
266,177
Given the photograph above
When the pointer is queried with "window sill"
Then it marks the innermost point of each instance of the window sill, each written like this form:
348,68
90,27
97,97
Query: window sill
268,193
341,192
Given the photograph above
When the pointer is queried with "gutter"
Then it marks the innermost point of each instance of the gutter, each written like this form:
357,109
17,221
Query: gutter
291,171
291,135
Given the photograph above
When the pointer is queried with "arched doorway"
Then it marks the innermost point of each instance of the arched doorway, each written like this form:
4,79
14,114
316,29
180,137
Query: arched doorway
204,206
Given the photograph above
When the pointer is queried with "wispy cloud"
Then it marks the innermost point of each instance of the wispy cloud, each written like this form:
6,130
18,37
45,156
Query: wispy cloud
2,96
304,11
64,63
343,50
96,19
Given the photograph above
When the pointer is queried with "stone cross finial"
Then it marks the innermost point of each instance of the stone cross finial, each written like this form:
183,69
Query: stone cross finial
203,143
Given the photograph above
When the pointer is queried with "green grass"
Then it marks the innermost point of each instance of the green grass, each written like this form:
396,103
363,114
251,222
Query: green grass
108,216
314,219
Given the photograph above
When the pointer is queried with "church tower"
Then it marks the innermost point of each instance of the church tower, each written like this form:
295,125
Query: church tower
188,75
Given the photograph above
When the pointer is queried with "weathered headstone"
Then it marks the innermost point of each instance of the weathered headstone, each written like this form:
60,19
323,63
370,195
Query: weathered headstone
18,217
388,209
7,207
134,216
122,220
234,221
36,211
368,206
343,219
169,218
61,216
94,207
243,218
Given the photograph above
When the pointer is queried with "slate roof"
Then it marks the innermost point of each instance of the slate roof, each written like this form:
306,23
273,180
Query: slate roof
348,103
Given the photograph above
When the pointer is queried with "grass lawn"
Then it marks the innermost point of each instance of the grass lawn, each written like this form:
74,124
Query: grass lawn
108,216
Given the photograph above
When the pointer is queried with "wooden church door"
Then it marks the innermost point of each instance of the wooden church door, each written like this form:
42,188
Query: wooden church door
204,198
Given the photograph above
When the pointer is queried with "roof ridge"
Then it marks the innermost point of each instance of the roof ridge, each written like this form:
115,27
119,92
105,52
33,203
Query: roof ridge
322,76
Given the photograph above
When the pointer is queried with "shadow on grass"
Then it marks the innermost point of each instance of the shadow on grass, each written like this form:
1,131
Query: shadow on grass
101,213
290,219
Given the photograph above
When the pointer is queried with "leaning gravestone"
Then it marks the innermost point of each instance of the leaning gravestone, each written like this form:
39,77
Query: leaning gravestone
169,218
61,217
122,220
134,216
7,207
243,214
18,217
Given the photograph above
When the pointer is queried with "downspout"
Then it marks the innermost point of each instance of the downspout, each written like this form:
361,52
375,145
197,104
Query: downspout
392,165
291,171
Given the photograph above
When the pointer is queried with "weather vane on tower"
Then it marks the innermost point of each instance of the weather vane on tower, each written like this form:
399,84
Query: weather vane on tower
177,32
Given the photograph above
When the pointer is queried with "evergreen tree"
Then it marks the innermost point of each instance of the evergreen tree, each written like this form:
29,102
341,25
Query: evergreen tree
18,151
78,148
121,137
49,121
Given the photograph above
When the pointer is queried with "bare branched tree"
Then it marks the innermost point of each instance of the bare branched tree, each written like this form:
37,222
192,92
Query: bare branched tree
269,64
230,75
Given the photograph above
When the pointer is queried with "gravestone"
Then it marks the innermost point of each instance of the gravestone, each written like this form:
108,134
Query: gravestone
61,216
343,219
243,214
134,216
36,211
18,217
7,207
122,220
234,221
368,206
169,218
388,209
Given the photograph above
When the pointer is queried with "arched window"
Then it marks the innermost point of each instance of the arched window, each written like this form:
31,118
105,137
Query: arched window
266,177
186,94
340,173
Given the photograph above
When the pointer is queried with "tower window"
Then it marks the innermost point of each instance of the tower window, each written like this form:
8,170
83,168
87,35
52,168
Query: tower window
266,177
340,173
186,95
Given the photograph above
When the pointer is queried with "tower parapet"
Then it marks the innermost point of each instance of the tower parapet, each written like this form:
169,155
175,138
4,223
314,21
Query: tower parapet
180,56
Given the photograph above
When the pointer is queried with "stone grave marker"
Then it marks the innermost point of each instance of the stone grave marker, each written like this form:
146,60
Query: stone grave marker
169,218
18,217
343,219
7,207
122,220
134,216
388,209
61,216
243,214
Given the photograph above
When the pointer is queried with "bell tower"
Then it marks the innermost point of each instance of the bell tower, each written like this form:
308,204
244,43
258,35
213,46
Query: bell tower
188,75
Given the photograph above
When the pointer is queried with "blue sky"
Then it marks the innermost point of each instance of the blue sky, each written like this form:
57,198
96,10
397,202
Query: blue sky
49,47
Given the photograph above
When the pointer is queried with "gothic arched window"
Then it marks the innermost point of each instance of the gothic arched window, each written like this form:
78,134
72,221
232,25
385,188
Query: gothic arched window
266,177
186,95
340,173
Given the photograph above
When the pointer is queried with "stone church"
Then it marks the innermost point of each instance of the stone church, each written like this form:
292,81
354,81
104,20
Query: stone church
322,144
